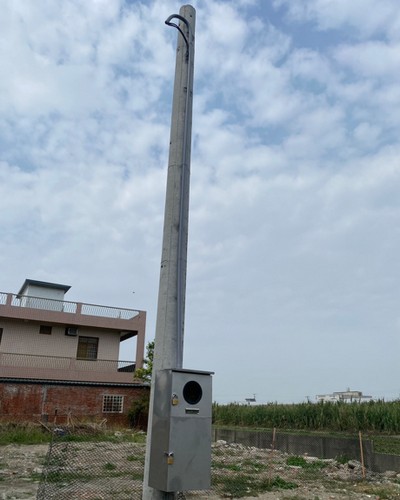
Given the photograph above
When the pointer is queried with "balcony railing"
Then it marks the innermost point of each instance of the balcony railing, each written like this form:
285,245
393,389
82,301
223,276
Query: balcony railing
67,307
64,363
15,365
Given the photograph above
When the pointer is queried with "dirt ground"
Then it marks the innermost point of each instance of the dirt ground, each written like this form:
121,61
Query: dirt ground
20,471
21,467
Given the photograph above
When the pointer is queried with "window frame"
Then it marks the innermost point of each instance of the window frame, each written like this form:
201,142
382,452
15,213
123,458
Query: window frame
113,403
85,343
49,329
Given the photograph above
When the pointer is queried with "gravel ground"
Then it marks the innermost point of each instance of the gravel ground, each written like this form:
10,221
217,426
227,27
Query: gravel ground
20,470
21,467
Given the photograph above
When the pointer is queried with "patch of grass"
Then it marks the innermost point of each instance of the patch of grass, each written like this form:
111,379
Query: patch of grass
297,497
217,452
103,437
23,434
387,444
218,465
115,474
135,458
254,466
227,466
108,470
109,466
342,459
296,461
137,476
29,433
247,466
243,485
36,476
137,437
304,464
276,483
238,486
67,477
382,492
234,467
56,461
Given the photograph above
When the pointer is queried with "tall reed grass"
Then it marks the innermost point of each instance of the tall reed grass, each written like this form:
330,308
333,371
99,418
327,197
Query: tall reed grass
373,416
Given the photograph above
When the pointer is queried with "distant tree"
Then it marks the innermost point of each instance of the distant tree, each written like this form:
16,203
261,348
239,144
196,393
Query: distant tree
144,373
139,411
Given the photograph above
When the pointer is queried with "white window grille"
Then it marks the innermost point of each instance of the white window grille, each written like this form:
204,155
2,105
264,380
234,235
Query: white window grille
113,404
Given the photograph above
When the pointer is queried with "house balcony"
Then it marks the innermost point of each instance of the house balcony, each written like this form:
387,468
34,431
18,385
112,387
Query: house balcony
69,313
127,322
63,369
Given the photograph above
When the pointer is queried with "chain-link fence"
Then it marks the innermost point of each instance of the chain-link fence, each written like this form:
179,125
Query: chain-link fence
91,463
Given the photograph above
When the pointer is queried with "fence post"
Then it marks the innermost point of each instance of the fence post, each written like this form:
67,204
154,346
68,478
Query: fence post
273,438
362,454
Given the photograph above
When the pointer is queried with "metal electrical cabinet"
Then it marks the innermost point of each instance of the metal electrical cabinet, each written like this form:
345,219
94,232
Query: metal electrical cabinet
180,453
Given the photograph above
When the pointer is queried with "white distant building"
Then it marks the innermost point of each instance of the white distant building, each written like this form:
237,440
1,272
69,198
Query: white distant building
251,400
346,396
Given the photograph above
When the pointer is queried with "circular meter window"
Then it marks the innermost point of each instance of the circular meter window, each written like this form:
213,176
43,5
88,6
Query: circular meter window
192,392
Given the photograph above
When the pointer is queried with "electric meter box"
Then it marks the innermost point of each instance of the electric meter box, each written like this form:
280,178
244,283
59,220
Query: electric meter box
180,453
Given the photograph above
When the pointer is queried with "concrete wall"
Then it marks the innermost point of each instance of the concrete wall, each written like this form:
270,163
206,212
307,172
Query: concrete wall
24,338
55,294
33,402
317,446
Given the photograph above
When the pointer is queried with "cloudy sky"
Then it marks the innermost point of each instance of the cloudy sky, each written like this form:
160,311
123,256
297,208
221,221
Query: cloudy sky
293,283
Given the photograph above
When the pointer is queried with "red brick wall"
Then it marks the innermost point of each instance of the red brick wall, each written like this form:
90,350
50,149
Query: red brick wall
33,402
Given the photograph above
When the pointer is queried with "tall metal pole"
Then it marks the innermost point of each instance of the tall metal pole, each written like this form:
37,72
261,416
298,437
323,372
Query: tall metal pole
168,352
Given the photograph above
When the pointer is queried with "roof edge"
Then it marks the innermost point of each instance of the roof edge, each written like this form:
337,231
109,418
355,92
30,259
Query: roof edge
43,284
13,380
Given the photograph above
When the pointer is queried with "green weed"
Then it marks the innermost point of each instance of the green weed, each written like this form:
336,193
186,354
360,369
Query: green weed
254,466
109,466
22,434
277,483
135,458
342,459
238,486
242,485
304,464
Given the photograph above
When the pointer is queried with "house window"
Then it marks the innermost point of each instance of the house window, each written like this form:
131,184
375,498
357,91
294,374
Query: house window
1,334
45,329
113,404
87,348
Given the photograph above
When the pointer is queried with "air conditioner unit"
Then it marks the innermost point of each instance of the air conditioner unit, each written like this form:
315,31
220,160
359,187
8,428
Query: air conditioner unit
72,331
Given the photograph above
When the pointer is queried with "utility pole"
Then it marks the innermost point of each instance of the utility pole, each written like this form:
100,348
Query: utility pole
168,352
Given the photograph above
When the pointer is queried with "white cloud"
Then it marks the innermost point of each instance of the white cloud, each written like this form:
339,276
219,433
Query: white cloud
365,16
371,59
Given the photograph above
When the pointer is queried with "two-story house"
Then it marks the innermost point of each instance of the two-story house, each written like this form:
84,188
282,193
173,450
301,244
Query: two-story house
61,358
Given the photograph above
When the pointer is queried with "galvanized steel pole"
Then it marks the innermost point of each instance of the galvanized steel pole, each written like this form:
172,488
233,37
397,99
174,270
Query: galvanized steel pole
168,351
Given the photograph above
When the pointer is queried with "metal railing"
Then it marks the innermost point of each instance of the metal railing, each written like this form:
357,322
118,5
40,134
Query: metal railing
46,304
108,312
64,363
